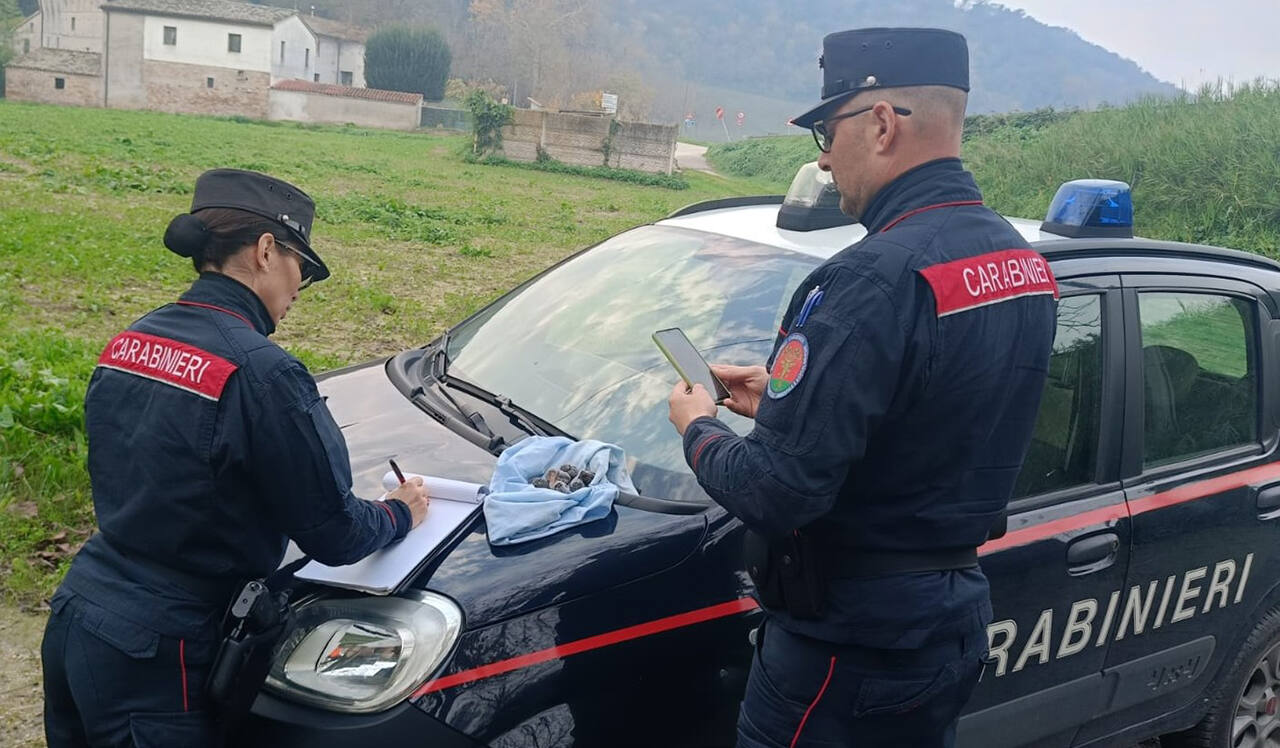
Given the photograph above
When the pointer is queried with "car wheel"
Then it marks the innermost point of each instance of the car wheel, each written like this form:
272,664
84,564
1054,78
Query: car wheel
1243,708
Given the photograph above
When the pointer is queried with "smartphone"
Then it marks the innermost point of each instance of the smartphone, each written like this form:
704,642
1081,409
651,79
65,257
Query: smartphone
688,363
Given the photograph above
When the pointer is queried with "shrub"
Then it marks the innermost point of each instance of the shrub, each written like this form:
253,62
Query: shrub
488,117
408,58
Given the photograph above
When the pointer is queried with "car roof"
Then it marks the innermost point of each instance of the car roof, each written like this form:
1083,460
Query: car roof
756,221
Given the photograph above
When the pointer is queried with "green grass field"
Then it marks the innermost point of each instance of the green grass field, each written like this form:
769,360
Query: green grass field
1203,169
417,239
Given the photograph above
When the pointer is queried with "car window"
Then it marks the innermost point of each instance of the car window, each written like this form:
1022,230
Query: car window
575,347
1199,374
1063,450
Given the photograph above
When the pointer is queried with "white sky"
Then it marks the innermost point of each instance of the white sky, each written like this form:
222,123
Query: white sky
1184,42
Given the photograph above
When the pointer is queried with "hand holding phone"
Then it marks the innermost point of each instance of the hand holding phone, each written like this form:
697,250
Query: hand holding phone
688,363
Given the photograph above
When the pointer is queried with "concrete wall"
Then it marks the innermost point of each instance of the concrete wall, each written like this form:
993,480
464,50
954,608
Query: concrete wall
182,88
299,61
301,106
22,84
72,24
122,61
579,139
205,43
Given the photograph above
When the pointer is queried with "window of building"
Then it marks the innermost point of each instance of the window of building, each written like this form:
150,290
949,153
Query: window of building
208,83
281,53
233,42
59,83
344,77
306,60
73,23
26,46
170,35
1064,443
316,77
1199,373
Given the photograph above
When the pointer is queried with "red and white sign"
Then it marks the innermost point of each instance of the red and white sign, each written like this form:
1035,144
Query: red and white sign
961,285
719,112
168,362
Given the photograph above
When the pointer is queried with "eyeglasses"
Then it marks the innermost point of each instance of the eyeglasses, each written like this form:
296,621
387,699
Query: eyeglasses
824,136
304,264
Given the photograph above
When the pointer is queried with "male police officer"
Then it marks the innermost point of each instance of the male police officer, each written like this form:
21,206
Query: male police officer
891,423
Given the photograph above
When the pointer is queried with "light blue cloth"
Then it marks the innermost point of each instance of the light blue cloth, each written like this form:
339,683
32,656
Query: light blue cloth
516,512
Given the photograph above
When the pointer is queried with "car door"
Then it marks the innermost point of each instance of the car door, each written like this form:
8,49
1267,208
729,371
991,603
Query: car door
1203,489
1066,549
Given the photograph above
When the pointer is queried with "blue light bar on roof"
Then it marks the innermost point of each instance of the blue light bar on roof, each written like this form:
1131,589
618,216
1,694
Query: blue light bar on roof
1091,207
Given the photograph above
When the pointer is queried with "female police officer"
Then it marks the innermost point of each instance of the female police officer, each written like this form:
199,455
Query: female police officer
209,447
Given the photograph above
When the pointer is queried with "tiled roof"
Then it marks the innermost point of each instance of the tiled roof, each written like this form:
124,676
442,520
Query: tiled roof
350,92
60,61
327,27
221,10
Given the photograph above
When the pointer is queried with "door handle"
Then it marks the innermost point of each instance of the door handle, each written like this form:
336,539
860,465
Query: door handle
1268,503
1094,553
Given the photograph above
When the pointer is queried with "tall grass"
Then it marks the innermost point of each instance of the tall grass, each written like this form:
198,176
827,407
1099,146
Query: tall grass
1204,167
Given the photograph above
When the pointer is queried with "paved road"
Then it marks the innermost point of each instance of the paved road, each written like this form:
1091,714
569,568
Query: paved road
693,157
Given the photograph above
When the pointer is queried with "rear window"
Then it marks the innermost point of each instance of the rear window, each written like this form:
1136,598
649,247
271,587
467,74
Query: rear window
1199,375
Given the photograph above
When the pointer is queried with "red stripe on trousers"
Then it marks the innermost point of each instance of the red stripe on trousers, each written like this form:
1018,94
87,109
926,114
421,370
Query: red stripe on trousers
182,663
830,670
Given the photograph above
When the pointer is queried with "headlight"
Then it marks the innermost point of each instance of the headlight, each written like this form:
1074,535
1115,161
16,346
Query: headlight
363,654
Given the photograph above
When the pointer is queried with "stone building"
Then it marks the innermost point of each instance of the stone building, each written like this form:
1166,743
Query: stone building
191,56
56,76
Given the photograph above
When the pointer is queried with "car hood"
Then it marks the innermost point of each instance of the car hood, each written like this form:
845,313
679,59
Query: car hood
494,583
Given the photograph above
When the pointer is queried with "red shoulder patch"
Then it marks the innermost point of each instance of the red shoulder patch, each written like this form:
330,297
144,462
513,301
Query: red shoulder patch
168,362
961,285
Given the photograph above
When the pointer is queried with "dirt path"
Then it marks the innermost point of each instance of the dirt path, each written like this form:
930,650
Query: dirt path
693,157
21,701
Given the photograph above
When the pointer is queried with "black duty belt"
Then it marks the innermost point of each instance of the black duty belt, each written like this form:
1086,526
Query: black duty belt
851,564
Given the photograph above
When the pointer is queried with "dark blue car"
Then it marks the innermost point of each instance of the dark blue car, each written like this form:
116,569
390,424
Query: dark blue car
1136,582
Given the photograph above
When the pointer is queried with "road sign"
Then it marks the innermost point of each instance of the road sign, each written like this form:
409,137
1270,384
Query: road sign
609,103
719,112
741,117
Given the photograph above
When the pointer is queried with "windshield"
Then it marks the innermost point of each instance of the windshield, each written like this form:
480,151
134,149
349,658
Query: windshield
574,345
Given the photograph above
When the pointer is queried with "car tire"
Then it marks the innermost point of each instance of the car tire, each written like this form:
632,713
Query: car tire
1243,705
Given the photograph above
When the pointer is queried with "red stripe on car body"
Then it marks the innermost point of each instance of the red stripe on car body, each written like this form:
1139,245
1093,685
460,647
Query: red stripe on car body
733,607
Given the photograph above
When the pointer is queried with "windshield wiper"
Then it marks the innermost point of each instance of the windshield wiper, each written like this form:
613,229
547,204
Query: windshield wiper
436,375
519,417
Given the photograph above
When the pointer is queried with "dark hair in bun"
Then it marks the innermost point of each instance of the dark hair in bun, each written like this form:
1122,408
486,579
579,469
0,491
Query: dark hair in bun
186,235
212,235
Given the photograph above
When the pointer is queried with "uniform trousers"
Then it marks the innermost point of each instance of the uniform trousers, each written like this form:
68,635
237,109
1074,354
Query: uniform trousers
806,692
111,682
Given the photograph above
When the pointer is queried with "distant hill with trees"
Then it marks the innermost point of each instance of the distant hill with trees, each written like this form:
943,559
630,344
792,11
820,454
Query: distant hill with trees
771,47
668,57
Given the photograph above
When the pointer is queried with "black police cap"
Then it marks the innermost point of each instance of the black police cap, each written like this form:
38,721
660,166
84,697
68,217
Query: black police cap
266,196
863,59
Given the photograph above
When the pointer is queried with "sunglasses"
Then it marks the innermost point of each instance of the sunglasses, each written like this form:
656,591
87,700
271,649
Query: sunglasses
304,263
824,134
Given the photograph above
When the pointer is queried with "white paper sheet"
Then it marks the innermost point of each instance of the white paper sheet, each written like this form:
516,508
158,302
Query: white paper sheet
452,502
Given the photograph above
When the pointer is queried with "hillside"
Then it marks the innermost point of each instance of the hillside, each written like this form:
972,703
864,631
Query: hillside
765,47
1202,168
754,56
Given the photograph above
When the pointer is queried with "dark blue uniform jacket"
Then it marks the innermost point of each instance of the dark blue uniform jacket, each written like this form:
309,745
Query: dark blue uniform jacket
899,408
210,447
